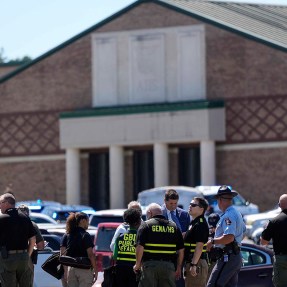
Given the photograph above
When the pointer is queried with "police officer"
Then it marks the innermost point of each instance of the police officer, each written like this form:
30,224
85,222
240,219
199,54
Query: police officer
125,251
276,230
228,236
158,241
17,240
196,268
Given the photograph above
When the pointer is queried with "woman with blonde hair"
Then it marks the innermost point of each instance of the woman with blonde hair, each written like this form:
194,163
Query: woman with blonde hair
77,242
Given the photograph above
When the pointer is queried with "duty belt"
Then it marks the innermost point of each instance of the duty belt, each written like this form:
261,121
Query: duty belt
17,251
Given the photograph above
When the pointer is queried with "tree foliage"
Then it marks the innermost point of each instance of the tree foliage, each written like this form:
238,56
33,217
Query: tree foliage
17,61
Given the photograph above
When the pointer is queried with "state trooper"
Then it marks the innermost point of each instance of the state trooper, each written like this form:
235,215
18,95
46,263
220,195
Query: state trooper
124,251
158,242
227,240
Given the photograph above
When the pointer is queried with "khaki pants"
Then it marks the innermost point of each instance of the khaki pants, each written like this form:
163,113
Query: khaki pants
201,278
80,277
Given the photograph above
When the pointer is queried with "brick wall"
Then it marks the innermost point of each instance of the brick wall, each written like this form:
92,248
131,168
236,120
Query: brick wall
258,174
236,68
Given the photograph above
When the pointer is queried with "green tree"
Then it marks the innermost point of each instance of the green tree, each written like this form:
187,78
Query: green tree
17,61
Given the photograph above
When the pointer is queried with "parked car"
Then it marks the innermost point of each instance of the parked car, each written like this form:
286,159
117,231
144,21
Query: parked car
186,194
257,266
254,221
241,204
42,278
60,213
59,229
106,215
41,218
38,205
102,251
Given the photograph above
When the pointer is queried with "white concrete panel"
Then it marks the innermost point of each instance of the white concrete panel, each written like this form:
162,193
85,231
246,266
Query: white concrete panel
149,65
105,71
191,65
139,129
147,68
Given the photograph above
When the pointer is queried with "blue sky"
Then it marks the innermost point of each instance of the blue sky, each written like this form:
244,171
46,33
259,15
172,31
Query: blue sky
33,27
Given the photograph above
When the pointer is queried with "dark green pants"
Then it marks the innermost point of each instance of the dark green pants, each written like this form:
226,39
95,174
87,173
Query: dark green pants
15,271
157,274
280,271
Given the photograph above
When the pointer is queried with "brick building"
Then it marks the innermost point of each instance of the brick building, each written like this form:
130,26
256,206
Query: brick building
162,92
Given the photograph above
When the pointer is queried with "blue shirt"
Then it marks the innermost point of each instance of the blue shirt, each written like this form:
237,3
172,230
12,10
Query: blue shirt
230,222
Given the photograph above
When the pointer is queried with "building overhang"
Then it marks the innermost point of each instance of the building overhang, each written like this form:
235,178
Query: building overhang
180,122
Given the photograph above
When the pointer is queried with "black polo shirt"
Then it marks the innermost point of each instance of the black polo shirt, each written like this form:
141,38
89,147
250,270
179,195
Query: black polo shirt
16,229
276,230
77,242
156,235
198,231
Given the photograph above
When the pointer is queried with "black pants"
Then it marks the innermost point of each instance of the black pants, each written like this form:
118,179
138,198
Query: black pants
125,276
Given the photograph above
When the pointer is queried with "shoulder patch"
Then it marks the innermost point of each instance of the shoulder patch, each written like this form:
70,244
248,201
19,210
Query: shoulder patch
228,221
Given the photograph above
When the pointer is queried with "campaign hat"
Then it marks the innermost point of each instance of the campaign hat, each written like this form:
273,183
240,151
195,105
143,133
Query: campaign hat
225,190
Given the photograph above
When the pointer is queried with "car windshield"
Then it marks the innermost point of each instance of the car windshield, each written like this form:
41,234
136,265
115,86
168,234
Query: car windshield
96,219
104,238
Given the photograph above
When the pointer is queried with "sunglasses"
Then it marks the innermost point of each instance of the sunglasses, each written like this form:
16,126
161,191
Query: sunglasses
194,204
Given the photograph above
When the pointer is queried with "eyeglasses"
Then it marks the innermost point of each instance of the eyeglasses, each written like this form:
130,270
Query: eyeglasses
194,204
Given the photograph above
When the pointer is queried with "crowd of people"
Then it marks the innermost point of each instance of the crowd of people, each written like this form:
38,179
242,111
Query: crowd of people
172,247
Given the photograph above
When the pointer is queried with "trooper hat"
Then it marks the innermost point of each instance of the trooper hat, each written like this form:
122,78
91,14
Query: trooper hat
213,218
225,190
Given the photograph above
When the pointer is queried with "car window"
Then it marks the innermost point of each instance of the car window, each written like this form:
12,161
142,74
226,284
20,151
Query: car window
104,238
251,257
239,200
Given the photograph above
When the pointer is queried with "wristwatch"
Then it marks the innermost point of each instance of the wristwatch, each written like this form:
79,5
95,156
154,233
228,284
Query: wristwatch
212,241
192,264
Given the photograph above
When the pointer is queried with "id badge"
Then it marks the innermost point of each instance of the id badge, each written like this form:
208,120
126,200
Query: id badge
225,258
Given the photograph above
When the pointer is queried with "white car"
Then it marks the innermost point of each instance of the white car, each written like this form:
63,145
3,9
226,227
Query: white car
44,279
253,221
186,194
40,218
242,205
